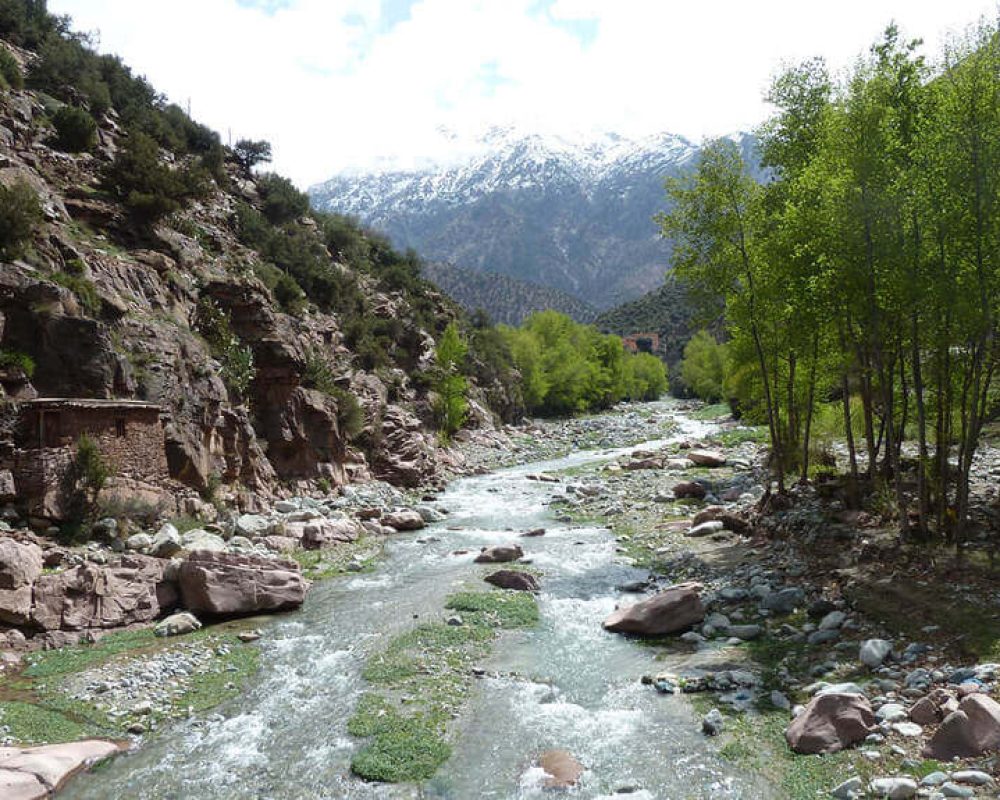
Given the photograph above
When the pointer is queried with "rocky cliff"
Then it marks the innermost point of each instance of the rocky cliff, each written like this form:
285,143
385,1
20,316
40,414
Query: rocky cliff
257,394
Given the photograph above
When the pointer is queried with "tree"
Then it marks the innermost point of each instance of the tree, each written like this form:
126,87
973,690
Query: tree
451,385
20,214
703,368
250,153
76,131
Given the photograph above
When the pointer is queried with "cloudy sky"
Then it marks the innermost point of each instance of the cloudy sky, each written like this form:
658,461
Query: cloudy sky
345,84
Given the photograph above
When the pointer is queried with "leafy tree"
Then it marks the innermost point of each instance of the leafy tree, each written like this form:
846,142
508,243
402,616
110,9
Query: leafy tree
250,153
703,369
76,131
20,214
236,359
90,471
283,203
450,385
10,72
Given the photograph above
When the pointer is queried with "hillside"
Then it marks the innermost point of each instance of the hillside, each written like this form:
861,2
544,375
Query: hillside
503,298
664,311
575,215
141,260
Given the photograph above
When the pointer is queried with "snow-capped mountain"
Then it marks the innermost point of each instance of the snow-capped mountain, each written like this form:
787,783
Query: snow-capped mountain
574,213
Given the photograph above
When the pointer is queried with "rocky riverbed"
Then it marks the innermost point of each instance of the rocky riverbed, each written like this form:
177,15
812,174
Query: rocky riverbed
808,646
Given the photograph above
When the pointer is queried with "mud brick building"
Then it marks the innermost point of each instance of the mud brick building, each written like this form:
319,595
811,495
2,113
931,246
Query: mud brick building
128,434
643,343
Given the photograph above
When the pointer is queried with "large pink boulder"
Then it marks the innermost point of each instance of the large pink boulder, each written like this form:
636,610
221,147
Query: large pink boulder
230,583
830,723
91,596
562,770
403,520
672,610
23,771
20,565
970,731
513,579
317,533
499,554
706,458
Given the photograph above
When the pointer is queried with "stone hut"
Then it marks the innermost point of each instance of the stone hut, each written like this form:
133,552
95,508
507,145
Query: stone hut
643,343
128,433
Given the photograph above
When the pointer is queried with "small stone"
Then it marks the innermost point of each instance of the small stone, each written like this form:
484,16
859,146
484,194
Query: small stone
874,651
934,779
712,723
848,790
248,636
950,789
973,776
908,729
894,788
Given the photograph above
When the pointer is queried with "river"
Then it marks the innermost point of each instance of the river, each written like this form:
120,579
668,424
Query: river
565,683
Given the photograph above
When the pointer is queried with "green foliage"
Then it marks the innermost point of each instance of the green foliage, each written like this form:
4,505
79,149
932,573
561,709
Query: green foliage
236,359
148,187
10,72
318,375
568,368
450,385
90,470
283,203
20,214
703,369
14,359
76,131
250,153
82,287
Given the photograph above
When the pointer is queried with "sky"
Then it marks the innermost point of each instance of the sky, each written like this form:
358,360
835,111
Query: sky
352,85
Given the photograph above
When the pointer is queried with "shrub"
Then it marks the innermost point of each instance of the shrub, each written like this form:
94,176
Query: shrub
90,468
452,406
350,415
236,360
82,288
283,203
20,213
76,131
10,72
13,359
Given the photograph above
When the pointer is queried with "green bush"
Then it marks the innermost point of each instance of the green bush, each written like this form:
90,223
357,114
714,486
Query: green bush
92,471
13,359
283,203
452,406
10,72
76,131
148,187
20,213
236,360
82,287
645,377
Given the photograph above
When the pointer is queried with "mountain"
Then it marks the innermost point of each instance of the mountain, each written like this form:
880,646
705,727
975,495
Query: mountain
505,299
572,214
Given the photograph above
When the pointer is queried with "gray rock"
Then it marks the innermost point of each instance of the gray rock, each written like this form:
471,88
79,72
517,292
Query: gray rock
934,779
832,621
950,789
139,541
973,776
893,788
251,525
780,700
712,723
705,529
167,542
891,712
874,651
784,601
744,632
199,539
838,688
823,637
848,790
177,624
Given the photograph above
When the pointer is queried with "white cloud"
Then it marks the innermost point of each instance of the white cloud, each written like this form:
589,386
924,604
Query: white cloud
334,85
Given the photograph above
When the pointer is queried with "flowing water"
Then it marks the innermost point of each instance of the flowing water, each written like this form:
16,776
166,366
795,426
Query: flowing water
569,684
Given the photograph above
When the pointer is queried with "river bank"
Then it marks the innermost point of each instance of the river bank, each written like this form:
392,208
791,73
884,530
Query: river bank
630,713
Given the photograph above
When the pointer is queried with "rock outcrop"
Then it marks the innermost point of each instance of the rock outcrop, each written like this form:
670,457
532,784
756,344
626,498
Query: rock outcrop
671,611
970,731
227,584
34,773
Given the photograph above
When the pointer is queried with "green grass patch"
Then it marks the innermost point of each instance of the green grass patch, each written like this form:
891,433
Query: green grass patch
333,561
64,660
30,723
737,436
224,680
422,679
715,411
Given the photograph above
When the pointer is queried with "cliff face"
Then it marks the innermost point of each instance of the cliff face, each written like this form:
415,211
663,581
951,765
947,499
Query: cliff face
100,306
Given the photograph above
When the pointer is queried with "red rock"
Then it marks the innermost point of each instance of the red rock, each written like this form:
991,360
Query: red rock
319,533
49,766
20,563
706,458
689,489
534,532
562,770
925,712
91,596
830,723
671,611
970,731
499,553
513,579
227,583
403,520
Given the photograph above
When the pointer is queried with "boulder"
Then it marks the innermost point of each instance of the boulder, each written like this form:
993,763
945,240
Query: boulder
199,539
784,601
404,520
251,525
280,544
706,458
534,532
671,611
51,766
513,579
925,712
322,532
499,554
830,723
874,651
177,624
231,584
562,770
20,563
689,489
705,529
893,788
92,596
968,732
167,542
140,542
